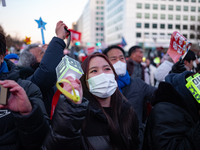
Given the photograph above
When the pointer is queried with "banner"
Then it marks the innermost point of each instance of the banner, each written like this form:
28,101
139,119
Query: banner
178,46
75,35
90,50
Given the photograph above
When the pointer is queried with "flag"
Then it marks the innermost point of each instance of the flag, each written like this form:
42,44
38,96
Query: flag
75,35
123,43
4,3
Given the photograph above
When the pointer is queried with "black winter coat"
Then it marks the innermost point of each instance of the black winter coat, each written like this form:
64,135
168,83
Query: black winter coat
20,132
67,123
174,122
45,75
138,93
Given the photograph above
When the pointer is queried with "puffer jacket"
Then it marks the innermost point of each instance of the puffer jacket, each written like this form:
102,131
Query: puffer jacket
23,132
67,123
45,75
174,122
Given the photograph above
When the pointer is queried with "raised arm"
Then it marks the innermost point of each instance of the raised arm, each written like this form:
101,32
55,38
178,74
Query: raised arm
29,117
45,75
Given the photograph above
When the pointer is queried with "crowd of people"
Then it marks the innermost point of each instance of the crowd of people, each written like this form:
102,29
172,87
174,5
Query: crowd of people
124,104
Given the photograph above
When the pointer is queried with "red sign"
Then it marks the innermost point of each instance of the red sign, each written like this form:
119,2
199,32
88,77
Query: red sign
177,46
90,50
75,35
83,58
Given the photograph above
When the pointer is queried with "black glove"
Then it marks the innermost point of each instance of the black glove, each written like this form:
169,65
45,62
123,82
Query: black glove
178,67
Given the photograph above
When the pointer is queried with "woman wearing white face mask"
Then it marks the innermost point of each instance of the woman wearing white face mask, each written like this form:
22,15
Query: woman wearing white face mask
107,122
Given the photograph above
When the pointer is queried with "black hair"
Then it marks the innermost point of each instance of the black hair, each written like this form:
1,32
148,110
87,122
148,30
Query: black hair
190,56
112,47
2,44
133,49
114,122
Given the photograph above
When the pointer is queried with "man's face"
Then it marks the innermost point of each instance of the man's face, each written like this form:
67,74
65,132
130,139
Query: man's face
189,65
38,52
147,62
137,55
115,55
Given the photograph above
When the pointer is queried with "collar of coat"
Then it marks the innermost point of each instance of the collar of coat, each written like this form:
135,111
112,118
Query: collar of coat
97,112
13,72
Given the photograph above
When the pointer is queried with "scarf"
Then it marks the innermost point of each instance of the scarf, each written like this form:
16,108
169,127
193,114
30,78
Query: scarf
3,67
123,81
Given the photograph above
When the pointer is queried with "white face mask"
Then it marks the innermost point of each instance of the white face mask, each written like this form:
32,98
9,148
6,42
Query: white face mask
120,68
103,85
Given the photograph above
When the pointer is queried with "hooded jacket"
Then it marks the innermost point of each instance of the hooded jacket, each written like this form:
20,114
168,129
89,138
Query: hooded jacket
19,132
173,123
67,123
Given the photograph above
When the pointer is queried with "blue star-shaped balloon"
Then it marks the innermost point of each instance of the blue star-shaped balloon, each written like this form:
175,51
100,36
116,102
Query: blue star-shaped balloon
41,24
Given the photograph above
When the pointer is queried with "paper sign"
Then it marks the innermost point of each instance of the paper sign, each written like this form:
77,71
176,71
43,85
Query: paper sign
193,86
177,46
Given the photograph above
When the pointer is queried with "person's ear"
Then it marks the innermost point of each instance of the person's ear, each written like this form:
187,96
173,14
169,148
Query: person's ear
1,58
185,62
132,55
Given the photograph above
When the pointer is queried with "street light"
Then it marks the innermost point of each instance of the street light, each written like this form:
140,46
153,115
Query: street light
98,44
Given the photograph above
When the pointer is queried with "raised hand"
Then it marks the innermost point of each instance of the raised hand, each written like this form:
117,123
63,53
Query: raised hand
77,85
178,67
18,100
60,31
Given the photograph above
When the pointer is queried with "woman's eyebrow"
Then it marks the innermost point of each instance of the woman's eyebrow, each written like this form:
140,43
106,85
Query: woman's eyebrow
93,68
106,65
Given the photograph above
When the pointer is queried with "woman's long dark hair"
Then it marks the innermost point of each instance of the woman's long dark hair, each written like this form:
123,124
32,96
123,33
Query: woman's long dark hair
115,122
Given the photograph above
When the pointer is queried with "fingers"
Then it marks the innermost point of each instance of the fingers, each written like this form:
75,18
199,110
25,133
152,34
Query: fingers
3,106
66,26
75,83
60,31
79,83
12,85
8,83
60,24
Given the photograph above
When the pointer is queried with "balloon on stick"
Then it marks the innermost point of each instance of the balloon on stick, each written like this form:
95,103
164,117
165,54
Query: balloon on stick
41,25
27,40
